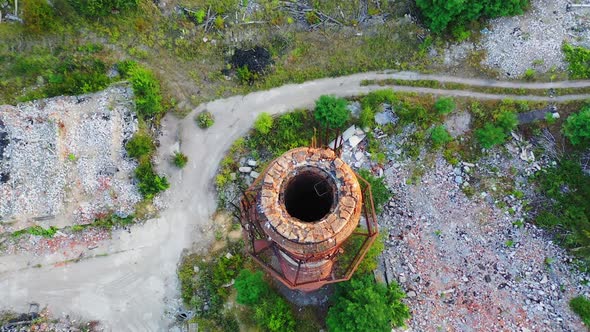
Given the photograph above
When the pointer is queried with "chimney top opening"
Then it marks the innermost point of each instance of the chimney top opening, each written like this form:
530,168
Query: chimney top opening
309,195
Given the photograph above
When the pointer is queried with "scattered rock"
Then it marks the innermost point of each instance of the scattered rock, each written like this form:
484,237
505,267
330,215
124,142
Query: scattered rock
245,169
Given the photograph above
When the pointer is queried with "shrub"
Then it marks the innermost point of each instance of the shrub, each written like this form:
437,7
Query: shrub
444,105
77,75
381,194
180,159
245,75
367,117
581,306
568,208
140,145
549,118
274,314
440,136
263,123
529,74
490,135
148,99
417,114
507,121
376,98
149,183
371,259
331,111
578,59
461,33
38,16
250,287
271,312
577,127
363,305
440,14
205,119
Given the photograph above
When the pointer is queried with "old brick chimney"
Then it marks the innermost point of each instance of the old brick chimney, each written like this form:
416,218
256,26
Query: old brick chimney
300,212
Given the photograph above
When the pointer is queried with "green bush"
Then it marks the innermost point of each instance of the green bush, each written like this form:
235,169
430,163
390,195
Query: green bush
245,75
411,113
568,209
77,75
441,14
146,88
331,111
263,123
367,117
444,105
507,120
351,248
290,131
250,286
440,136
99,8
381,194
461,33
529,74
578,59
38,16
490,135
271,312
363,305
581,306
149,183
180,159
374,99
577,127
274,314
140,145
205,119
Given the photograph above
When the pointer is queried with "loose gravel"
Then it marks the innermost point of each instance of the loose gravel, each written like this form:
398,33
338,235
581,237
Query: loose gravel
534,40
65,161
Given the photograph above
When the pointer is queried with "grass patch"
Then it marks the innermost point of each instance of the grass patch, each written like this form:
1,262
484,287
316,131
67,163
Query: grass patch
474,88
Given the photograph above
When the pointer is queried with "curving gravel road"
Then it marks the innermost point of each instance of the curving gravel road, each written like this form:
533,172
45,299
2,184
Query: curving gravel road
130,281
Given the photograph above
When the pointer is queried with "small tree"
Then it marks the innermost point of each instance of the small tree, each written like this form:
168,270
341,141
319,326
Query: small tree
577,127
444,105
263,123
139,145
331,111
490,135
250,286
440,136
363,305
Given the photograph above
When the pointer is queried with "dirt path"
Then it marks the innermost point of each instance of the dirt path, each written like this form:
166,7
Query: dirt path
131,280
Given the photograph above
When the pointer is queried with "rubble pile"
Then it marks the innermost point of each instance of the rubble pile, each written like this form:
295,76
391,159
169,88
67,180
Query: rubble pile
63,159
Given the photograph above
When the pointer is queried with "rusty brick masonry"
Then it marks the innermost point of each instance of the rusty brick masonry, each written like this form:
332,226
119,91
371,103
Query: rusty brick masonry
299,213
